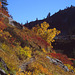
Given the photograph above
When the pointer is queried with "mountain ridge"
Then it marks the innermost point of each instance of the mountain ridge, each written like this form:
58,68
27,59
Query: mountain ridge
63,20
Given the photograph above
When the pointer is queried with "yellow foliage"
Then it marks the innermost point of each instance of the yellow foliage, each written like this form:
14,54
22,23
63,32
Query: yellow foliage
44,50
10,59
23,52
74,70
23,73
69,66
39,69
47,34
28,51
5,35
5,48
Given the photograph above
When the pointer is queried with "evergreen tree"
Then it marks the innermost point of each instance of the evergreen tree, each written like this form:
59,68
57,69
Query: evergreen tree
48,15
4,4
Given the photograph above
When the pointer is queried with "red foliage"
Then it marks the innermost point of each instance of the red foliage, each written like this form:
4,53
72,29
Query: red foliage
61,57
40,41
2,26
4,12
12,40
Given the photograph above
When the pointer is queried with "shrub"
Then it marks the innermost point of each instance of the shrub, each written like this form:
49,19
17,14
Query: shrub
47,34
9,56
23,53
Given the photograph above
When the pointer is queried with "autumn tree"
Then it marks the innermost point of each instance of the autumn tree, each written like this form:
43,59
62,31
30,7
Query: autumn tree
47,34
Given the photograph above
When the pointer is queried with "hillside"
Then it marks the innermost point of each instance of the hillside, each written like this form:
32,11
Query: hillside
30,52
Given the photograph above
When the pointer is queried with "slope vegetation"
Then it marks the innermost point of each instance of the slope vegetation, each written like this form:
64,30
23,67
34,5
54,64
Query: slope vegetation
29,52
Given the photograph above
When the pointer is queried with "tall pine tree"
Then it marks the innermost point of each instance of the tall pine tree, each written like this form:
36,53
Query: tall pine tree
48,16
4,4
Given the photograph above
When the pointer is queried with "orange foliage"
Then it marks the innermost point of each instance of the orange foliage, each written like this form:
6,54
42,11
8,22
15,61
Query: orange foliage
38,68
0,4
4,12
2,26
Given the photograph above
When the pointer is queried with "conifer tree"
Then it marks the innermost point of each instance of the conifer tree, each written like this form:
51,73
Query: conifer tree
4,4
48,15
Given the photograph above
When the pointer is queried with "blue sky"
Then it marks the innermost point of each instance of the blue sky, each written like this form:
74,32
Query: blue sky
28,10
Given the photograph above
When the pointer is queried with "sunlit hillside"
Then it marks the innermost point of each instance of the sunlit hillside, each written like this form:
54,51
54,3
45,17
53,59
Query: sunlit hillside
30,52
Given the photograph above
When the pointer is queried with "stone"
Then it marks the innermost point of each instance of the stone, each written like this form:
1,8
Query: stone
58,62
3,64
2,72
25,64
